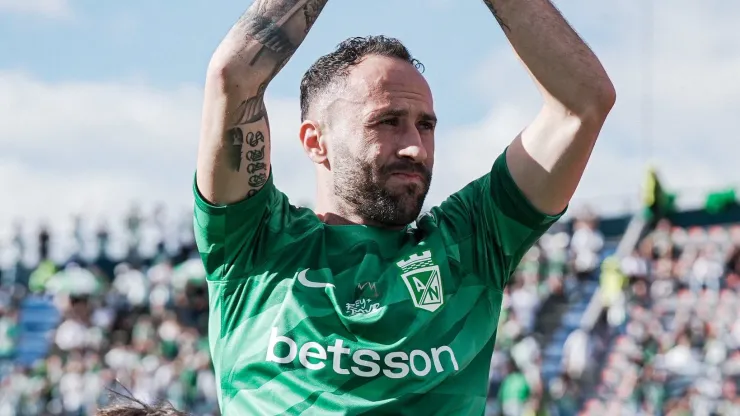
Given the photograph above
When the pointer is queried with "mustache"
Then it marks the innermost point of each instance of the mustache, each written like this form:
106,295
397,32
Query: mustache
407,166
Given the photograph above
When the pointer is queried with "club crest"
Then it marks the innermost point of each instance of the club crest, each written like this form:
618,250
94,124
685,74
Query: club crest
423,280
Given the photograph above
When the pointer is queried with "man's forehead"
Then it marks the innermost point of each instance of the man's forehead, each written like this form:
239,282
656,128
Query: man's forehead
380,75
379,83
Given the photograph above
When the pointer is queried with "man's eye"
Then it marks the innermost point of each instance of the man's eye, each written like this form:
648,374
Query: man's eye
427,125
390,122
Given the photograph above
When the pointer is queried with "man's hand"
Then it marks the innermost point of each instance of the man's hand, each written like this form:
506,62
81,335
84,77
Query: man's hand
548,158
234,150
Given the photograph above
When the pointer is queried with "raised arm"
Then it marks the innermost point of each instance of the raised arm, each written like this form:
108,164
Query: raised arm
548,158
234,150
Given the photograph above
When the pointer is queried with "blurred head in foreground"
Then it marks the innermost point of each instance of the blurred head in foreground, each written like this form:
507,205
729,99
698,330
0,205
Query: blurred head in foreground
127,405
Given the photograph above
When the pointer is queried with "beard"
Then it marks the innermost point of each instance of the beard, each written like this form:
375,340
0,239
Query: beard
365,187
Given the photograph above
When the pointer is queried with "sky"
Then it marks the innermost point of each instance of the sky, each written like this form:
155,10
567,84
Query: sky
100,100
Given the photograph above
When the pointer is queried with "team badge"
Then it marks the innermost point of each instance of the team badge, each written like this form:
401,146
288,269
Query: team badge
423,280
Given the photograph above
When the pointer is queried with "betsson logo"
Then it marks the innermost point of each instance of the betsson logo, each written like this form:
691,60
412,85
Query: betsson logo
367,362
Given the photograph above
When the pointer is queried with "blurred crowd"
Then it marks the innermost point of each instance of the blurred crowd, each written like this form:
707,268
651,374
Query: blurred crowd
132,306
677,351
555,267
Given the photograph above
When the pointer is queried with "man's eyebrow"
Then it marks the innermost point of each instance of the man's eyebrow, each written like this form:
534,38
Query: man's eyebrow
400,112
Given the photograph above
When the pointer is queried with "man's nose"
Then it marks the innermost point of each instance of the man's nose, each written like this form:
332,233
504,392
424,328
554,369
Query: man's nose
413,148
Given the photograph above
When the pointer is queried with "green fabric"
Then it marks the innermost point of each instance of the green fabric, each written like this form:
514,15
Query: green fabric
308,317
719,201
514,388
657,201
37,281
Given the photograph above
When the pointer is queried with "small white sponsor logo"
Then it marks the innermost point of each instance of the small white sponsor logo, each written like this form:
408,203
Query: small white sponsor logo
362,306
301,276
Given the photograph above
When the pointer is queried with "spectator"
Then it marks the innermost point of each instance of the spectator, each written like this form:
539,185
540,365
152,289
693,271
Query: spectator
577,353
680,352
515,392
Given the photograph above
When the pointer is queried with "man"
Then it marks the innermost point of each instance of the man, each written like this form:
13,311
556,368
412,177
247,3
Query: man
356,307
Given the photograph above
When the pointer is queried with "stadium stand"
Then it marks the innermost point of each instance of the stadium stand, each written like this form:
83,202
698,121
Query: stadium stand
678,345
71,329
611,316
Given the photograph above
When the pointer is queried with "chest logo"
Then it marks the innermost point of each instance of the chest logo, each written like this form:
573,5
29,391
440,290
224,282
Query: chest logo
302,279
423,280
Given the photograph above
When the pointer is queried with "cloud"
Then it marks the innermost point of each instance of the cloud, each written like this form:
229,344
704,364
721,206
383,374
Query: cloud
94,147
45,8
97,147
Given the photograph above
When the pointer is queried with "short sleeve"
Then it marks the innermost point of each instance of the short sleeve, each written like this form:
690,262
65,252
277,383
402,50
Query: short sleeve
492,224
228,237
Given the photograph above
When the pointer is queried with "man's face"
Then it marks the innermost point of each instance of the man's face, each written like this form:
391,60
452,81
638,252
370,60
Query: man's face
381,148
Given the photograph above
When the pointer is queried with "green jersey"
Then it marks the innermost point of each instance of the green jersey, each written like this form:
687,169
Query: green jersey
310,318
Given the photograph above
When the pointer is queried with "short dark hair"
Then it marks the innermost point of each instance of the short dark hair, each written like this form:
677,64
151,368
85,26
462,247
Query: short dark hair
128,405
138,408
347,54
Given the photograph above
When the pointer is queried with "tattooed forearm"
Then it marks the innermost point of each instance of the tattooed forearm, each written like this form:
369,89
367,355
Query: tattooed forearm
263,41
311,11
489,4
267,33
236,159
271,24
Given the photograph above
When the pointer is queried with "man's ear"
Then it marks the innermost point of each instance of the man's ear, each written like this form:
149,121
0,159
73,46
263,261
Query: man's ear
312,141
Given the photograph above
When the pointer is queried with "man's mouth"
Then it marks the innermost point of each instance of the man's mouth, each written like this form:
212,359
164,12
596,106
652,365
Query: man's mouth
409,176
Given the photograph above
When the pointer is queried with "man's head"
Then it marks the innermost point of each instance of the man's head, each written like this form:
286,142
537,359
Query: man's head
127,405
368,123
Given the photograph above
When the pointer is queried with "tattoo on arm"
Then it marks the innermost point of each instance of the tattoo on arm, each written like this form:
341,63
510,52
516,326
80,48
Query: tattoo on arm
234,141
278,27
270,36
249,111
489,4
266,22
252,109
311,11
257,169
250,148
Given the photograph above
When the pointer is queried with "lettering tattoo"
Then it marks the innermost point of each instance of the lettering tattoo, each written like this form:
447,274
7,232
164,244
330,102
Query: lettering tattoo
255,138
257,180
489,4
257,169
256,155
254,167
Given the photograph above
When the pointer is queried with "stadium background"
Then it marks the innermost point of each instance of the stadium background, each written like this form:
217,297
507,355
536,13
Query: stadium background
627,307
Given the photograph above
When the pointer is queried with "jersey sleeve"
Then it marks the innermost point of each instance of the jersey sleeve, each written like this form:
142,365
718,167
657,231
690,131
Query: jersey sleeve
233,238
492,224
